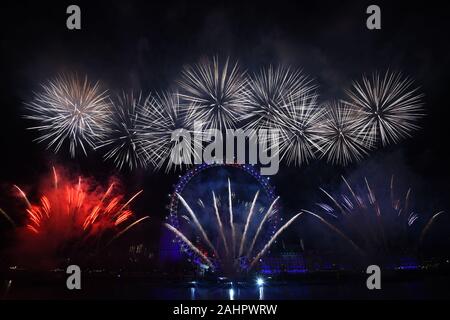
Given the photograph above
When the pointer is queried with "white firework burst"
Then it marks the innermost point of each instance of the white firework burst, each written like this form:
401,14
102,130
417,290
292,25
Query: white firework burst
344,138
163,122
299,124
217,91
70,110
389,104
232,235
123,145
269,89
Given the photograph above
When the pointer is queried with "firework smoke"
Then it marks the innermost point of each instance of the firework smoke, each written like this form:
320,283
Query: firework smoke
232,247
389,105
69,109
217,90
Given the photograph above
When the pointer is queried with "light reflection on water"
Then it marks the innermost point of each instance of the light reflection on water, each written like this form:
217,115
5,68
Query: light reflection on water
224,293
426,288
231,293
297,291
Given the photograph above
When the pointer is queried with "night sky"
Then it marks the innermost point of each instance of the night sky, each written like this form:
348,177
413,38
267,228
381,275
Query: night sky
143,45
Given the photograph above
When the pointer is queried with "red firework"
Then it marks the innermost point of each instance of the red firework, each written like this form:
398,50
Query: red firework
77,212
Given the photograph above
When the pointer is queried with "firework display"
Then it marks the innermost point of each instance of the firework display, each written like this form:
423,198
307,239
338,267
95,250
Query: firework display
224,232
269,90
230,232
300,123
344,138
374,221
137,132
217,90
73,215
72,110
122,144
389,105
177,151
162,121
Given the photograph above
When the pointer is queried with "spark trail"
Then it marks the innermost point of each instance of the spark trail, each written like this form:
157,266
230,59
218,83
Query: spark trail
228,235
